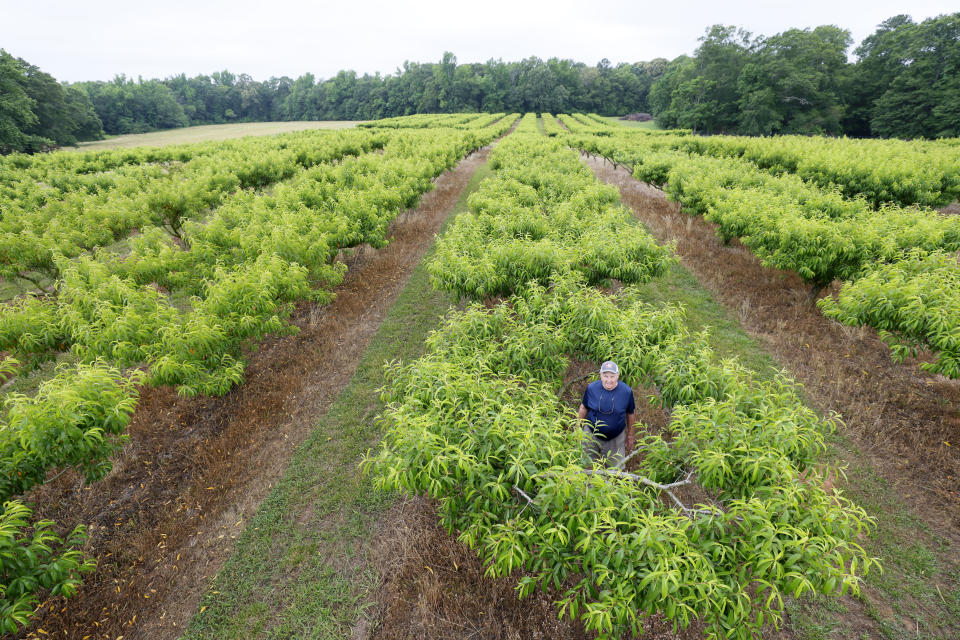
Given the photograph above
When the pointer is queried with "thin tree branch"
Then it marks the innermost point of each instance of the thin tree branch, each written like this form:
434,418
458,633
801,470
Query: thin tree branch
34,282
525,497
623,463
563,390
680,483
666,488
63,471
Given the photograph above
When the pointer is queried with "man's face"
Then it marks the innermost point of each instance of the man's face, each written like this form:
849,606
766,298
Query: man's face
609,380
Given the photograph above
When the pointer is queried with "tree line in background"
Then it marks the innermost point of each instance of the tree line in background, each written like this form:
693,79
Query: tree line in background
39,113
904,83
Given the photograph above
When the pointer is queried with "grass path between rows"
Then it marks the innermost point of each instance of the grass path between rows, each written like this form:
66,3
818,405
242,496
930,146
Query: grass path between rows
299,570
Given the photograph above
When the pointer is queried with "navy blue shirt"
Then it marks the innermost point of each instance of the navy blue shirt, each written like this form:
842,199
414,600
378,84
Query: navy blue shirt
608,410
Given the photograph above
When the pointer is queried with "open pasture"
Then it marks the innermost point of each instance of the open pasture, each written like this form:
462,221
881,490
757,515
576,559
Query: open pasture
207,133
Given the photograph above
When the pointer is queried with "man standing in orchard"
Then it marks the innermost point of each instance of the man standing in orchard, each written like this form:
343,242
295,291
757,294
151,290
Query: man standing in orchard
608,408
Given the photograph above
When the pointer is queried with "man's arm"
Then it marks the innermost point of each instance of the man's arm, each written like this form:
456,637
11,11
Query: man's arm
631,418
582,412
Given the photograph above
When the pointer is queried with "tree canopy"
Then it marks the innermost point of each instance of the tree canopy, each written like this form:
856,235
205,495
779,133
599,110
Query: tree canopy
37,112
904,83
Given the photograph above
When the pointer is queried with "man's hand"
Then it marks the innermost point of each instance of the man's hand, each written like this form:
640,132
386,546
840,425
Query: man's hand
631,441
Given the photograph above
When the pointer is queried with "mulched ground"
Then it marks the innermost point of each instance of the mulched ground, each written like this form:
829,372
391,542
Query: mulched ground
434,587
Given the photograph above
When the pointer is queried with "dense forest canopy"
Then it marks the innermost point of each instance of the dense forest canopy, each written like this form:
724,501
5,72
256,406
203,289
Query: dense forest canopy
38,113
905,82
129,106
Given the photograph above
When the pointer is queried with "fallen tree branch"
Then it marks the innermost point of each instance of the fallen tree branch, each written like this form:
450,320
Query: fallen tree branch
525,497
666,488
615,473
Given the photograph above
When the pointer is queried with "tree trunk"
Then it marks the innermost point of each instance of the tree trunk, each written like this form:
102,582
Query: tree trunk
815,290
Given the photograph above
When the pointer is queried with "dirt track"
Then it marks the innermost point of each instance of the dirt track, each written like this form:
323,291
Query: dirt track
196,469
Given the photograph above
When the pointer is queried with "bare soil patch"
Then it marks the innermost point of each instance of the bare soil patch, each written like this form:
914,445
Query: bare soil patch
637,117
207,133
195,470
435,588
906,422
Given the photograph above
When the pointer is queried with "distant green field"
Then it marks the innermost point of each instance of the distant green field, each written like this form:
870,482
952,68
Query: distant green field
630,123
206,133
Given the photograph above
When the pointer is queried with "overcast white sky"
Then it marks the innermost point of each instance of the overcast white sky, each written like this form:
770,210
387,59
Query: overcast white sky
97,39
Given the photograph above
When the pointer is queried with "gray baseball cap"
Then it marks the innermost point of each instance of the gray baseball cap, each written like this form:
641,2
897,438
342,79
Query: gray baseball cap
610,367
